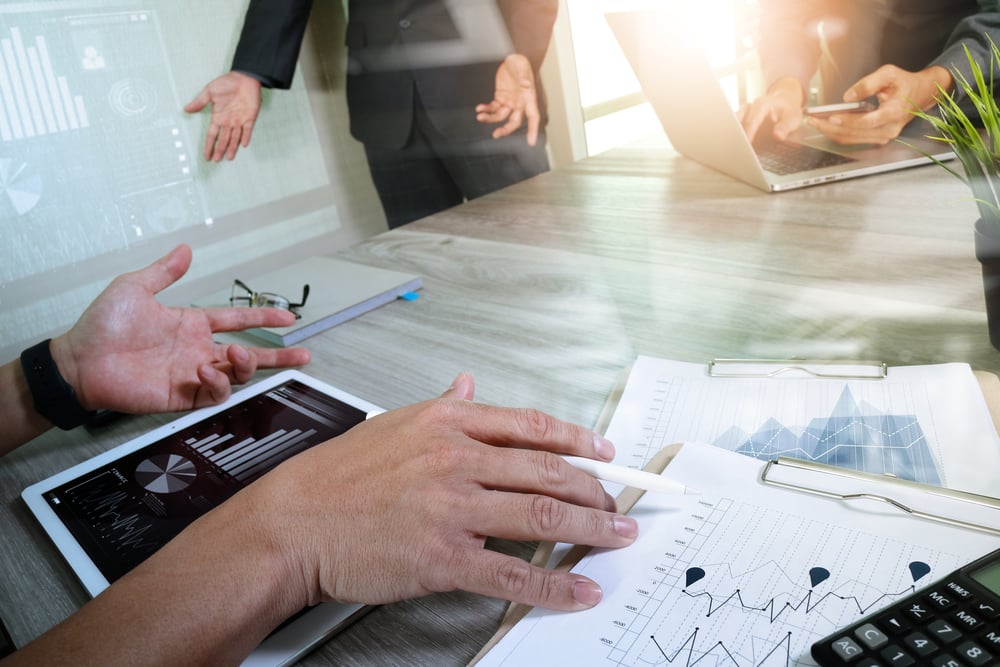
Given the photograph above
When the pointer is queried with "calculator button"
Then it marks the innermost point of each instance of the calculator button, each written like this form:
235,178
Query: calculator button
965,620
846,649
992,638
895,624
974,654
946,661
869,662
985,609
943,631
919,644
959,590
940,600
918,611
871,636
897,657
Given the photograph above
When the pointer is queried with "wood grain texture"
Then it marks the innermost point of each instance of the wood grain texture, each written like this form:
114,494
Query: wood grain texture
545,291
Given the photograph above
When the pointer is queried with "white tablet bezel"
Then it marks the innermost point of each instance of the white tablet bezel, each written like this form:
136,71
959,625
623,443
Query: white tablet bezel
279,648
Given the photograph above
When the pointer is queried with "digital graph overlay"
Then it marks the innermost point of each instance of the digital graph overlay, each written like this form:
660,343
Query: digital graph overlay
718,596
850,433
35,99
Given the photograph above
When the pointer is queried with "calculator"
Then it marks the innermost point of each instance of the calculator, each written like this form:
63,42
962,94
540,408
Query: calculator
954,622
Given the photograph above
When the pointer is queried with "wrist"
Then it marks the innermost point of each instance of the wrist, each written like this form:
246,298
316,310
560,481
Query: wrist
789,89
933,80
52,396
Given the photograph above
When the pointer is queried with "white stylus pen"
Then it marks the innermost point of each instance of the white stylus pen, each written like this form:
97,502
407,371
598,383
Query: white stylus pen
639,479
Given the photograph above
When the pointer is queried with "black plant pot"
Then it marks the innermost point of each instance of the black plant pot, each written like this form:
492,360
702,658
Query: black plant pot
988,254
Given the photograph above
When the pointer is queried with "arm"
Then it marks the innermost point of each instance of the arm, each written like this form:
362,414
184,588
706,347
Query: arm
129,353
975,33
265,55
900,92
789,56
397,507
516,97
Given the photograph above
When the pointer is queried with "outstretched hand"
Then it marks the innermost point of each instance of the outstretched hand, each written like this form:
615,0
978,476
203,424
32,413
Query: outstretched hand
235,102
130,353
514,100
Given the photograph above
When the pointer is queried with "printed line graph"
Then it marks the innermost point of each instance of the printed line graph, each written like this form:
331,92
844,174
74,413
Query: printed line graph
807,604
855,436
718,596
689,659
875,426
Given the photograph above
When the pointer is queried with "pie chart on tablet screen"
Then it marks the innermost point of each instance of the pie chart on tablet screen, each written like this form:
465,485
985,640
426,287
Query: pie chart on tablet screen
20,186
166,473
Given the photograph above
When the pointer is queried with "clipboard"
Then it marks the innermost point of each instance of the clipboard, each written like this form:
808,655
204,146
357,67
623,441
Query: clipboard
756,368
626,500
811,368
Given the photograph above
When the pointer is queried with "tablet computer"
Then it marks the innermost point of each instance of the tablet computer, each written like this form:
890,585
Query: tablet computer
109,513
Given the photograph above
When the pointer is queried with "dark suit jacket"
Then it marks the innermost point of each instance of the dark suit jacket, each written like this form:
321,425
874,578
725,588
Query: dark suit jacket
381,98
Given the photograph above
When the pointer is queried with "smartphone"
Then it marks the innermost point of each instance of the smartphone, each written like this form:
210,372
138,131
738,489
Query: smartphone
842,107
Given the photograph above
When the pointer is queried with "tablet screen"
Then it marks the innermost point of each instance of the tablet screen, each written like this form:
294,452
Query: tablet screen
123,511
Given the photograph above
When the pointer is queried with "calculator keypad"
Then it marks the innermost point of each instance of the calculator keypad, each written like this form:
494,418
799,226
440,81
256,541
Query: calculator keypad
946,625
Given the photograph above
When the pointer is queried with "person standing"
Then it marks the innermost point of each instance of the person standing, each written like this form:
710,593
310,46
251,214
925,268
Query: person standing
437,130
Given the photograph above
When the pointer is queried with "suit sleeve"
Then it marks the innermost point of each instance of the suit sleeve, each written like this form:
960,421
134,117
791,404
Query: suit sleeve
529,23
271,39
978,33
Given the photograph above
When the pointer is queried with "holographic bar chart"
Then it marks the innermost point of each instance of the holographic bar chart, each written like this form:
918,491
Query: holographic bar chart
34,100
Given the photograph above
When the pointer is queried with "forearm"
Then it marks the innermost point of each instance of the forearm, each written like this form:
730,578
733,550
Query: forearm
271,39
17,413
974,33
207,598
529,23
789,40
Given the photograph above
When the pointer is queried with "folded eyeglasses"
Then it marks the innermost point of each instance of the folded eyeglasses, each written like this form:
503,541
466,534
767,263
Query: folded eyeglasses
243,295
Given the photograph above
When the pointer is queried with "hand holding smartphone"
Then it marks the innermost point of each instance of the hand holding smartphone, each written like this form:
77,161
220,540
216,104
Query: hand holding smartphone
825,110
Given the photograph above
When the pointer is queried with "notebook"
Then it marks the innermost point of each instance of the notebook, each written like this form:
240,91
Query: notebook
111,512
677,79
338,291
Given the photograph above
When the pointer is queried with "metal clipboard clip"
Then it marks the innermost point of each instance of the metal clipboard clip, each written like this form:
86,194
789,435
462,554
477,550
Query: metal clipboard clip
924,501
814,368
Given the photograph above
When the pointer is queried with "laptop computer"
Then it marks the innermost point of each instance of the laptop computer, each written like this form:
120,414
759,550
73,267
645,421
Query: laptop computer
699,121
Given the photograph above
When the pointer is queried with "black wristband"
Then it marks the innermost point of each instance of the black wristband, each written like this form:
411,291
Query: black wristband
53,397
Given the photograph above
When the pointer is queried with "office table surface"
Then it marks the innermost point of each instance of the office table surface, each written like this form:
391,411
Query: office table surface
547,290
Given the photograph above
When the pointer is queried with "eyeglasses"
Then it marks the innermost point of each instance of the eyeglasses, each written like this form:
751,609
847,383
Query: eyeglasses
241,294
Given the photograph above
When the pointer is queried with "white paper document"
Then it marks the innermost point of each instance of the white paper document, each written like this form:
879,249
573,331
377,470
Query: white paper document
746,574
928,424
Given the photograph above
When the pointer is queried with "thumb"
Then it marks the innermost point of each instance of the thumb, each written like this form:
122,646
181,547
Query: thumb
462,388
198,103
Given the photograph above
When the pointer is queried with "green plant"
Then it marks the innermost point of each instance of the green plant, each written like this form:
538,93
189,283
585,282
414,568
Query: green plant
977,146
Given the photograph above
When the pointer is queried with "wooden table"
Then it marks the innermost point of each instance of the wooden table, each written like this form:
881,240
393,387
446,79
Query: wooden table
546,291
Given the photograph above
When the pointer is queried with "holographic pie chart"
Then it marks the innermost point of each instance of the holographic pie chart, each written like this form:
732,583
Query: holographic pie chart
165,473
20,187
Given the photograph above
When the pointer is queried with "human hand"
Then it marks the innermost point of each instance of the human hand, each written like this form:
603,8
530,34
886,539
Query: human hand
899,93
514,100
781,106
401,505
129,353
235,100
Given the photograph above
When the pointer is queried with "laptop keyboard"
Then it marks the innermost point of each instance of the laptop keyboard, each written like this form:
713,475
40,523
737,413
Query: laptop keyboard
786,158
